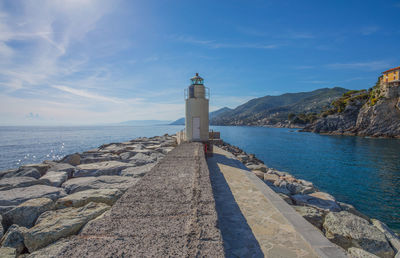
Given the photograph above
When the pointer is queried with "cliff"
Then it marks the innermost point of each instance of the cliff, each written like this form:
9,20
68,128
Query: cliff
375,112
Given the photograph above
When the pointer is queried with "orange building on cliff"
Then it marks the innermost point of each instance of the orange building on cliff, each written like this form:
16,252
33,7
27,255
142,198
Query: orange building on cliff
391,77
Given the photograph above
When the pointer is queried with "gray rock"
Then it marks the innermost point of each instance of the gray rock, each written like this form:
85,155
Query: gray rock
99,158
54,225
52,251
1,227
64,167
73,159
260,167
26,213
17,196
54,178
271,178
126,155
164,150
102,182
42,167
259,174
14,238
101,168
312,215
5,172
360,253
137,171
319,200
8,252
142,159
350,208
79,199
390,235
348,230
24,172
15,182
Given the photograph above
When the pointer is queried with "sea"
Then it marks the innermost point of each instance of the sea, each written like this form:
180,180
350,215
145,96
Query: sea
364,172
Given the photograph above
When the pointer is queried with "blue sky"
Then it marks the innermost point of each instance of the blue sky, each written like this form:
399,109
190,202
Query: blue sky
91,62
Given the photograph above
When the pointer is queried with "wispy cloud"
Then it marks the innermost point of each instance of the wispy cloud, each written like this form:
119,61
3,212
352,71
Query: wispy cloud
370,65
86,94
216,44
369,30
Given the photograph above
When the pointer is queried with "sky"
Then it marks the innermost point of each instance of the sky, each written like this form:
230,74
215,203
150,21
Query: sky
80,62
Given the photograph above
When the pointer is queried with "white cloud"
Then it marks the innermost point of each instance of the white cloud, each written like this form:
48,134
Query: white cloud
370,65
368,30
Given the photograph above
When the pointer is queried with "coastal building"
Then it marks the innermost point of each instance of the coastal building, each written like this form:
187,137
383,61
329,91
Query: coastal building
196,118
391,77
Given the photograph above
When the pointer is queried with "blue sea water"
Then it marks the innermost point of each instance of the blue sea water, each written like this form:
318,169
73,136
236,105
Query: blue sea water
364,172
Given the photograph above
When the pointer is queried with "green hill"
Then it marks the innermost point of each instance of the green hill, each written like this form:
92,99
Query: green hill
269,110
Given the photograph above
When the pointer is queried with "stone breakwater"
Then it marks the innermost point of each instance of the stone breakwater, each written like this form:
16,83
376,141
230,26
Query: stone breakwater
341,223
43,203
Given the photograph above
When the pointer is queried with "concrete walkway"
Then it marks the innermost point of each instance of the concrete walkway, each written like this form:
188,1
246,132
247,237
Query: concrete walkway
170,212
255,221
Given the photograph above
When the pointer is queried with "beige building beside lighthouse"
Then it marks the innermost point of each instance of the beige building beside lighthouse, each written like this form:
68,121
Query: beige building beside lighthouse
196,118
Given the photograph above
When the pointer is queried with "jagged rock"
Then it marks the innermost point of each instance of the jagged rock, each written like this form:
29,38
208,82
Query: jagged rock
17,196
102,182
390,235
164,150
79,199
101,168
15,182
350,208
142,159
54,178
73,159
319,200
348,230
260,167
42,167
1,227
54,250
259,174
271,178
95,158
360,253
54,225
5,172
312,215
137,171
14,238
26,213
24,172
115,149
126,155
8,252
64,167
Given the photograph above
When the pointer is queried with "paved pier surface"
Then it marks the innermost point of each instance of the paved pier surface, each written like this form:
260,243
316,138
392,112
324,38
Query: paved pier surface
254,221
170,212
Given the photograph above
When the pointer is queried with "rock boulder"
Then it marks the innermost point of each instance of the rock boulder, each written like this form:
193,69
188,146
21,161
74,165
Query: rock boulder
15,182
319,200
79,199
312,215
348,230
26,213
24,172
102,182
16,196
14,238
54,178
54,225
137,171
101,168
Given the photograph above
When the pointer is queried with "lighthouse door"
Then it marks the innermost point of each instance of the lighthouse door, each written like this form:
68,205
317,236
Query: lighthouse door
196,128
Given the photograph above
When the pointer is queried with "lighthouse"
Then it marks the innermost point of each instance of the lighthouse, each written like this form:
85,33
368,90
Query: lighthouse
197,102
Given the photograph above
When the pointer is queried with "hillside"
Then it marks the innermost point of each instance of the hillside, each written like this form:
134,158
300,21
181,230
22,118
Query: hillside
373,112
274,110
181,121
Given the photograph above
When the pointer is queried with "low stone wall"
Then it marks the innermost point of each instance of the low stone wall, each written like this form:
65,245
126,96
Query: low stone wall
341,223
42,203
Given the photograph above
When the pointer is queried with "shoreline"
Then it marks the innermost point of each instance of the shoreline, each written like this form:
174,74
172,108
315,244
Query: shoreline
321,209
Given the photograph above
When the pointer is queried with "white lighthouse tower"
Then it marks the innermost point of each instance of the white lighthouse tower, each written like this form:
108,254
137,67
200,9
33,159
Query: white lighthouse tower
197,101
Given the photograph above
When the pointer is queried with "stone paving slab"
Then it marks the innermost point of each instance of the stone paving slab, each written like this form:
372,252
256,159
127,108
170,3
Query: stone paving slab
254,221
169,212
